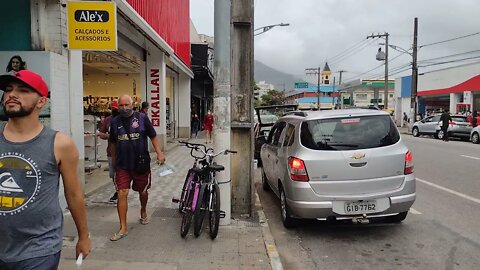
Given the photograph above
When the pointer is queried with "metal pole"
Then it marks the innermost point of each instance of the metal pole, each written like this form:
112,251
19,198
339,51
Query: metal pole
318,89
414,70
221,99
333,91
340,98
385,95
241,107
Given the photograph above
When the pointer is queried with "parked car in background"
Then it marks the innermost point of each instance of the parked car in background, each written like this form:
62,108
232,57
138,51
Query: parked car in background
265,117
475,135
459,127
341,164
426,126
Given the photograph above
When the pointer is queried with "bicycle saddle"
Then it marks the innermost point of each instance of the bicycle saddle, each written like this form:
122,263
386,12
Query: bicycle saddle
216,167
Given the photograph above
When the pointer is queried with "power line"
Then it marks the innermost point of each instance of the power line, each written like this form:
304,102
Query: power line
431,71
448,40
346,50
379,66
449,56
451,61
351,53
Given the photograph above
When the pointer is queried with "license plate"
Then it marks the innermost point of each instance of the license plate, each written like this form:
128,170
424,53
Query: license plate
360,207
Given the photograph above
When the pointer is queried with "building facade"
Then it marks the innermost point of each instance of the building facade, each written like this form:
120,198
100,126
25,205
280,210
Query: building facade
152,63
456,89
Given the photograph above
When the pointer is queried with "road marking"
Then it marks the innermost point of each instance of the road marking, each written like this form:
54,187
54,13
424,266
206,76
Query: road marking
470,198
415,212
470,157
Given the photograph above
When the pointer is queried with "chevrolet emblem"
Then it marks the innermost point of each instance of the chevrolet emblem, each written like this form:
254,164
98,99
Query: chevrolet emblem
358,155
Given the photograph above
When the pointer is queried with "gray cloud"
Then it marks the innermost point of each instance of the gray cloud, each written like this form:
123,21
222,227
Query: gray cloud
320,29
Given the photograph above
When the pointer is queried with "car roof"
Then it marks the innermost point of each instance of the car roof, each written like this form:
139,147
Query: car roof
310,115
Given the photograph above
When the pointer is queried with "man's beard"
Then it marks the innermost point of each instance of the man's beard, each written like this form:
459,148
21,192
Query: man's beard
24,111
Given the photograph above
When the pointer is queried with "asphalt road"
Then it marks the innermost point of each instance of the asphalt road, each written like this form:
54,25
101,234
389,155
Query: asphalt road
442,231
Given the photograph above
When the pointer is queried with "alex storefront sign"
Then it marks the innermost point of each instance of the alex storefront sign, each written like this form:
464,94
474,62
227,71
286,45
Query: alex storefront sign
92,25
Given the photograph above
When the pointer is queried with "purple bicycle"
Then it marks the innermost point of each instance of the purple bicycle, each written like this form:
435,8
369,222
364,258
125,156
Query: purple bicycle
191,187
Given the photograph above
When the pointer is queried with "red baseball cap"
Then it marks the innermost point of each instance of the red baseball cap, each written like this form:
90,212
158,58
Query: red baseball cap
32,79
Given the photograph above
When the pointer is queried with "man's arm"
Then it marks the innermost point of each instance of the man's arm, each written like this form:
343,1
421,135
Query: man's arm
67,157
158,149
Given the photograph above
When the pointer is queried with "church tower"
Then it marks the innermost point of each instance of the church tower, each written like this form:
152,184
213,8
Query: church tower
326,75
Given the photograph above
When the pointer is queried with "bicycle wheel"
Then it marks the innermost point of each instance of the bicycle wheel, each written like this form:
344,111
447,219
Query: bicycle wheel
214,218
187,213
188,180
202,207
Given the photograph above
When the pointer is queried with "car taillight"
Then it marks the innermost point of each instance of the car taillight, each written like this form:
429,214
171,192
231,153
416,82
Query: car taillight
408,163
452,123
297,169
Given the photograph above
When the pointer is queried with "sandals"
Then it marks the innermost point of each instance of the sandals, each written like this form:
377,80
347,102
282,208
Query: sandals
144,220
118,236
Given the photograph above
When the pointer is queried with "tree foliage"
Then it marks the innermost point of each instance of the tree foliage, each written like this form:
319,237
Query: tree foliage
273,97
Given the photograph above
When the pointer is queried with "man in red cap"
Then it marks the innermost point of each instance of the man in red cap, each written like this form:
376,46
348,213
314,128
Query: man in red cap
32,158
105,134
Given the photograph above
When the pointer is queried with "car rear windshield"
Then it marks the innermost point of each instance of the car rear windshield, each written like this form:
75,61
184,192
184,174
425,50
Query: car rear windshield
349,133
459,119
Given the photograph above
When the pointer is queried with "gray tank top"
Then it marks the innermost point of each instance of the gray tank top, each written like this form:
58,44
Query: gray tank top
31,220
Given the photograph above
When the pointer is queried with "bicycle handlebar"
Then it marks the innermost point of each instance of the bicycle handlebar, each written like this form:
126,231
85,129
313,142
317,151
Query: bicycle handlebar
204,150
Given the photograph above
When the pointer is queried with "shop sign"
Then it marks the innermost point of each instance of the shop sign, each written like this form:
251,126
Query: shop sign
92,25
155,96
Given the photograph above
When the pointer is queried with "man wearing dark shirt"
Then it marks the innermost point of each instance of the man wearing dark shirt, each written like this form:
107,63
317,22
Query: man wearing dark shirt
445,119
128,134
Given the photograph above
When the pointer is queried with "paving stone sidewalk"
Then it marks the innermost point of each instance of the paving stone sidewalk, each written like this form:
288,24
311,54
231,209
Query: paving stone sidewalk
158,245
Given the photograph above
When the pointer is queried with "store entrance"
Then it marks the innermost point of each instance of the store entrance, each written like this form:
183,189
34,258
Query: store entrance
106,76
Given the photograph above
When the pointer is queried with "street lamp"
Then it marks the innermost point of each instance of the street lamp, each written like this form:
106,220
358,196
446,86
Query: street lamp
268,27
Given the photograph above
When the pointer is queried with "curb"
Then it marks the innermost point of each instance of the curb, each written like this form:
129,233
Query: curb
270,246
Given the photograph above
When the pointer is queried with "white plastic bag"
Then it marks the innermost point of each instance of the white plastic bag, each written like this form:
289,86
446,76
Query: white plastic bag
165,170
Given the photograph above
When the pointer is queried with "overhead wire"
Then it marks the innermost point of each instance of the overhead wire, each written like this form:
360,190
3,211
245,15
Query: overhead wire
448,40
347,50
351,53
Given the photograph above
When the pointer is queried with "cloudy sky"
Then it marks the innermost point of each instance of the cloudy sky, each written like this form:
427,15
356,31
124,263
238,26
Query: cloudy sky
336,31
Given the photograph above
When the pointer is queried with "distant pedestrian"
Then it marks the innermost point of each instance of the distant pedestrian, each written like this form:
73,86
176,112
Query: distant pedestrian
405,119
195,125
145,107
208,125
129,133
445,118
16,64
32,158
105,134
475,118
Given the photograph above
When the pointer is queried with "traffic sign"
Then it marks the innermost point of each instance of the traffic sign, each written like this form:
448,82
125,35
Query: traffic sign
301,85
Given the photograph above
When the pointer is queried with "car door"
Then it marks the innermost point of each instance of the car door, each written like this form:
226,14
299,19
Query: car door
286,140
429,127
276,147
266,155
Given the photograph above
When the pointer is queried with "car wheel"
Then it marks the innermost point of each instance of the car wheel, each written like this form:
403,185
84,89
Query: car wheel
398,217
440,134
475,138
265,184
287,220
415,132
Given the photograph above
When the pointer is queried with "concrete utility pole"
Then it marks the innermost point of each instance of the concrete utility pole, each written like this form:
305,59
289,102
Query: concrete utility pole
385,95
340,98
242,106
414,70
221,99
316,71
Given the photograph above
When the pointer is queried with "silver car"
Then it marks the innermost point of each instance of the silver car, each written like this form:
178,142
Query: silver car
475,135
340,164
426,126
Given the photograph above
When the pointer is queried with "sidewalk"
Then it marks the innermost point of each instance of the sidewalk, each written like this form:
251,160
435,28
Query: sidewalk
158,245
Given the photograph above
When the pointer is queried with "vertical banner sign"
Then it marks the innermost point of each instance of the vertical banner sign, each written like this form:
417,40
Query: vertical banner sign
154,88
92,25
